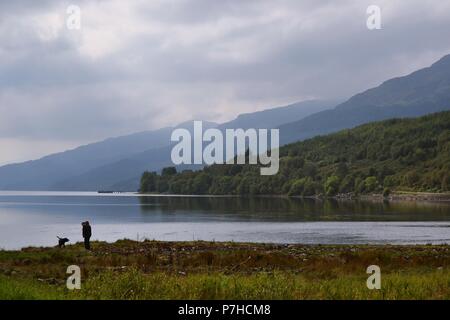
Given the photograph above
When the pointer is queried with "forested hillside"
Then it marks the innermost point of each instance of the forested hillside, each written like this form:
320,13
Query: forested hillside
397,154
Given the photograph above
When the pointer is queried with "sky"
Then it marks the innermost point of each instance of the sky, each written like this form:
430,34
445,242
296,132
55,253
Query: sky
141,65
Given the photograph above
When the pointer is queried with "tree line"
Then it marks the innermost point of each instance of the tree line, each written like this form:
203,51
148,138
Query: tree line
380,157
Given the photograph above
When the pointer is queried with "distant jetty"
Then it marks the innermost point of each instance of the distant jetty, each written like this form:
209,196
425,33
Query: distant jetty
108,191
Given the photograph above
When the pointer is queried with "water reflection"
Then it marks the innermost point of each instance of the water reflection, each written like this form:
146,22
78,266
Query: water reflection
36,219
295,209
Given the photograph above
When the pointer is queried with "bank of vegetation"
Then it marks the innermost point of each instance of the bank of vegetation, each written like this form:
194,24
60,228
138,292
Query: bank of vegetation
408,155
211,270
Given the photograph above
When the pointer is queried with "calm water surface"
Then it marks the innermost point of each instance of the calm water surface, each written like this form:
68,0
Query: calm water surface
36,218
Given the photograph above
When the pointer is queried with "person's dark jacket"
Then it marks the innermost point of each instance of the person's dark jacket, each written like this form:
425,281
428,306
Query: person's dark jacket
87,232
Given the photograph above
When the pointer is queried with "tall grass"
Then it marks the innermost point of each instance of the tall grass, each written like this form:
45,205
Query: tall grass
133,284
207,270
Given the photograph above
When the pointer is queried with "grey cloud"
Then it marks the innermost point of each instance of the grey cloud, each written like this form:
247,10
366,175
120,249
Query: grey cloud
145,64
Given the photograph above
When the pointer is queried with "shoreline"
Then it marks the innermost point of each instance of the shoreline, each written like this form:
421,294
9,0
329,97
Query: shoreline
403,196
394,196
230,244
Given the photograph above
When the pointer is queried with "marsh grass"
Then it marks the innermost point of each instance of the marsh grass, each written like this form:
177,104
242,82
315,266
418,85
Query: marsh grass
202,270
133,284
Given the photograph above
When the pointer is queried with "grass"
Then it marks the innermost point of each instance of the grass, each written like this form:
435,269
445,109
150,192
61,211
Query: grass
204,270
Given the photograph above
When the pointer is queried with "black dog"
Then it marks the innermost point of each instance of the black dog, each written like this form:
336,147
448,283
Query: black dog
62,242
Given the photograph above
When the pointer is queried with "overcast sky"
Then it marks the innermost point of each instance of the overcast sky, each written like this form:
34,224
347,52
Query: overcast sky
139,65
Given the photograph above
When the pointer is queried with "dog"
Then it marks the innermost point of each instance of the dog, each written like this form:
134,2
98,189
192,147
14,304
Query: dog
62,242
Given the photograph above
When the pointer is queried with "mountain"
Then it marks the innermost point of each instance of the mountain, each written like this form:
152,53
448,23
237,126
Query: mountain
124,174
45,173
272,118
120,174
397,154
118,162
422,92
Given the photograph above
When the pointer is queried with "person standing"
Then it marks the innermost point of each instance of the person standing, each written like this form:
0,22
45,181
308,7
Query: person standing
87,233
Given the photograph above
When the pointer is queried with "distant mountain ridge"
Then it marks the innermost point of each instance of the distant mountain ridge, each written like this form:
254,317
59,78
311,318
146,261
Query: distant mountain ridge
421,92
125,173
41,174
272,118
117,161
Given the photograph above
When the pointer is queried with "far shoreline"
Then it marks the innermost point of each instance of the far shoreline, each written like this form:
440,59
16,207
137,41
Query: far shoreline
412,196
394,196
